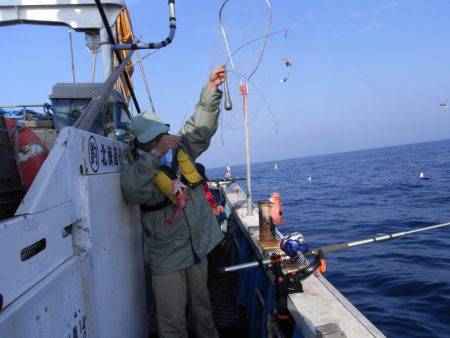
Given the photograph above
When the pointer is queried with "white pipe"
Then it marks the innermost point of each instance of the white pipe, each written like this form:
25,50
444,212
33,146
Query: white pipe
106,53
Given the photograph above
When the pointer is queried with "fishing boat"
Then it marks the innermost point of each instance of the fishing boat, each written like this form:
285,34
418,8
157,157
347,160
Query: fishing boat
71,257
277,165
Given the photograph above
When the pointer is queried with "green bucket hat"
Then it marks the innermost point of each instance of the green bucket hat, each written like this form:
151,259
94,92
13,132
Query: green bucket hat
147,126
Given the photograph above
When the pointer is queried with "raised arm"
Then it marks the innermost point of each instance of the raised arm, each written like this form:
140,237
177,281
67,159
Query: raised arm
200,127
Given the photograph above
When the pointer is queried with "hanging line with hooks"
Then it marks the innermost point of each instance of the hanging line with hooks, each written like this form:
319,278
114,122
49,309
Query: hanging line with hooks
253,41
276,129
244,92
269,25
230,55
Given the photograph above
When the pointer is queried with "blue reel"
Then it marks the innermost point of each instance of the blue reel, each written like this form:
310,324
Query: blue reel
293,243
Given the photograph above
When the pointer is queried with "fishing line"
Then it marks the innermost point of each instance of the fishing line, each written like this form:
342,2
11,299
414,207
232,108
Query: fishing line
252,41
234,119
265,37
185,114
385,84
145,57
242,76
222,140
265,40
225,35
275,60
334,74
144,76
276,124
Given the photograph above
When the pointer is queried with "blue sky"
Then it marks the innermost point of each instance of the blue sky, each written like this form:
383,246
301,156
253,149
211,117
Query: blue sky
365,73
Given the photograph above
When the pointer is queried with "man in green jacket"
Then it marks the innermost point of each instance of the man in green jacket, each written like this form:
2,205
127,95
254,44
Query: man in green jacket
177,252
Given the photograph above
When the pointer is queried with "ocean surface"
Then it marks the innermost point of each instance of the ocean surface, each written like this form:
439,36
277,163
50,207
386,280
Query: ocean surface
402,285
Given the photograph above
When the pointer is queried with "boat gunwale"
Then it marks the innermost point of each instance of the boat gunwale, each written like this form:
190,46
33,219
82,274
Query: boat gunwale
307,327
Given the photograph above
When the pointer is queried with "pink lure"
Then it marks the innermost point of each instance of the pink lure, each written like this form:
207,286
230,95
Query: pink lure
276,209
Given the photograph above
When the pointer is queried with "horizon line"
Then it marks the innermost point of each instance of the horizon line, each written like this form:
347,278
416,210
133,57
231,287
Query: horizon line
335,153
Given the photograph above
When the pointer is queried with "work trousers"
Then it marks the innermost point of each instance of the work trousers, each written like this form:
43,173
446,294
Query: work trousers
171,292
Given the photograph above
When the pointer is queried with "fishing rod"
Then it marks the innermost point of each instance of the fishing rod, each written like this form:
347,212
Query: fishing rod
332,248
230,180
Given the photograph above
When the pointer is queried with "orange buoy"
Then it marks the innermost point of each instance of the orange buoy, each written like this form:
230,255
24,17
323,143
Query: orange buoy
29,150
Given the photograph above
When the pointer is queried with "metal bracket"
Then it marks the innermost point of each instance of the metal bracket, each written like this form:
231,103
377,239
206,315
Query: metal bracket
331,330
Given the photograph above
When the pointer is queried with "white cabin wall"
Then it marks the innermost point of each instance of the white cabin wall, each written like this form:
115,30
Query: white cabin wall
16,234
78,186
117,259
53,308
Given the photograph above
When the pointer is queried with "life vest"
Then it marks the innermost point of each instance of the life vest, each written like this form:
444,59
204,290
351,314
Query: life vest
166,176
29,150
170,184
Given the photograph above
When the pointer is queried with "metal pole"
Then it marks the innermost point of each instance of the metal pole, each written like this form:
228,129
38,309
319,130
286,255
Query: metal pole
247,152
94,63
265,262
106,53
71,55
94,107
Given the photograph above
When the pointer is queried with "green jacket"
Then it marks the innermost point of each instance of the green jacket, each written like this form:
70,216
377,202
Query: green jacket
168,247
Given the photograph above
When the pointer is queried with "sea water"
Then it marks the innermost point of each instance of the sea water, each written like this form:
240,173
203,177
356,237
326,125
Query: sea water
402,285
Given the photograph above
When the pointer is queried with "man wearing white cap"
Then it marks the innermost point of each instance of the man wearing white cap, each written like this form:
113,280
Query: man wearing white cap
177,252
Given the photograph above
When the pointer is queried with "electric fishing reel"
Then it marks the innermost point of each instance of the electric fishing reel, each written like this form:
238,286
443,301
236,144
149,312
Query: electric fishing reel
294,243
295,247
